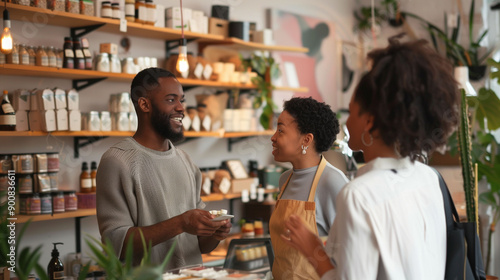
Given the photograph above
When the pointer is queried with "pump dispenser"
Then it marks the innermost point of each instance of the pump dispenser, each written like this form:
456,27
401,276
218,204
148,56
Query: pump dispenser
55,269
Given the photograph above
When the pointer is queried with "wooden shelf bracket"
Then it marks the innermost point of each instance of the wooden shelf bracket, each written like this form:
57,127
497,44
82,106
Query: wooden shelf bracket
84,30
87,83
80,142
231,141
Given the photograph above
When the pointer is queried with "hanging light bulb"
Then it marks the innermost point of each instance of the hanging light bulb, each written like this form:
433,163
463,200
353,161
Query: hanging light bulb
6,42
182,62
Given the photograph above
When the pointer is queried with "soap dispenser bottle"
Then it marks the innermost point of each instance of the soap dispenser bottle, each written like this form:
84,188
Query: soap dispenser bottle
55,269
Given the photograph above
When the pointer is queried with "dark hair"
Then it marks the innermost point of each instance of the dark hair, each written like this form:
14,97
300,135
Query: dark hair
316,118
146,81
412,95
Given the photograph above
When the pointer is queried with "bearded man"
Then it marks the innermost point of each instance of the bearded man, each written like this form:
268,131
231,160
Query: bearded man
145,184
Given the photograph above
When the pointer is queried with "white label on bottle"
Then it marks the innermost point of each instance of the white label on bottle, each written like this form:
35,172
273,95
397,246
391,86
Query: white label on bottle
87,53
151,15
7,108
45,61
25,59
130,10
123,25
7,120
69,53
94,182
52,61
79,54
15,58
87,183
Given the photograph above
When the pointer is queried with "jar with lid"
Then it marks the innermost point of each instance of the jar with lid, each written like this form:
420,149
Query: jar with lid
53,162
94,121
39,3
45,203
23,55
13,56
23,164
41,57
105,121
102,62
79,57
32,55
52,57
5,164
151,12
128,65
106,11
93,174
130,10
25,183
140,11
73,6
116,13
87,54
70,201
33,204
56,5
115,65
85,179
123,123
69,54
58,202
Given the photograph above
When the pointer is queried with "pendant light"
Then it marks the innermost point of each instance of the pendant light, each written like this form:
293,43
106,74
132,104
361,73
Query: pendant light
182,63
6,42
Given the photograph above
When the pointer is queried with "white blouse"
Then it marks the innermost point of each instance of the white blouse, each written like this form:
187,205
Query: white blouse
390,224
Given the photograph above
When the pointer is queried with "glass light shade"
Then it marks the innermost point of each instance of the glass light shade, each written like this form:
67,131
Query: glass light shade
462,77
6,42
182,62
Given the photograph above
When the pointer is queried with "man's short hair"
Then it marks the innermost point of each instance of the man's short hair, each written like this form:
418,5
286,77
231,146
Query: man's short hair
146,81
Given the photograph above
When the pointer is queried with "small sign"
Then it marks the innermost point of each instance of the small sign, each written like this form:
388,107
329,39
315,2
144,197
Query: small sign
123,25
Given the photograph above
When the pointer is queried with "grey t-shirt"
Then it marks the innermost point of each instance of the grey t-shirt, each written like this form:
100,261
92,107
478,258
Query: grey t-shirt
330,183
137,186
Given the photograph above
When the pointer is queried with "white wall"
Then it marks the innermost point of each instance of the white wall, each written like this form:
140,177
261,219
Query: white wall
205,152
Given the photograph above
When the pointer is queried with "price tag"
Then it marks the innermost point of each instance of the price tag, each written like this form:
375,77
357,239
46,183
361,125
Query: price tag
123,25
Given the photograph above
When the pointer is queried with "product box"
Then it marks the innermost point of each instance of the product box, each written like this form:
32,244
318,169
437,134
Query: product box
73,99
20,100
45,99
74,120
60,98
160,15
42,120
22,123
175,13
33,101
263,36
238,185
108,48
176,24
62,119
218,26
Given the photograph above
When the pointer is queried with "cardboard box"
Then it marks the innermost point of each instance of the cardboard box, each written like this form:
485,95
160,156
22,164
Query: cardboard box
45,99
60,98
73,99
62,119
108,48
34,121
20,100
22,123
175,13
74,120
160,15
218,26
238,185
33,101
42,120
263,36
176,24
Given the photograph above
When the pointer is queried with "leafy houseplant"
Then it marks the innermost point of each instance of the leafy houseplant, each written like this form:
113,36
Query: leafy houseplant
267,70
459,55
483,110
364,18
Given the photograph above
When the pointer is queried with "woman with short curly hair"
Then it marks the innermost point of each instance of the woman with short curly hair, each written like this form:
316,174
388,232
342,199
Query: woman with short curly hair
390,221
306,129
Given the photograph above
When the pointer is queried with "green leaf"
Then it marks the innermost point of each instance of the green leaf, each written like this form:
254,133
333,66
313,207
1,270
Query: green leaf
82,275
486,106
488,198
495,73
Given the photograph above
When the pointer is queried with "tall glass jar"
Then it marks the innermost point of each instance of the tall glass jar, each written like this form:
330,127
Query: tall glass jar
59,58
87,54
13,56
79,57
106,11
41,57
151,12
32,54
69,54
130,10
52,57
140,11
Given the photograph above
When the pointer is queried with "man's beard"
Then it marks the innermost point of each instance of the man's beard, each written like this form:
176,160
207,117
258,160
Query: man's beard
161,124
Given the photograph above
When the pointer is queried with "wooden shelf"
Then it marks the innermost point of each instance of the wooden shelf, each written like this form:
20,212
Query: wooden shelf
47,217
248,133
188,134
65,19
220,196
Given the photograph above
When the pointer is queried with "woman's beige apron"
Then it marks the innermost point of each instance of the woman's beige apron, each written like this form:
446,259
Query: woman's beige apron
288,262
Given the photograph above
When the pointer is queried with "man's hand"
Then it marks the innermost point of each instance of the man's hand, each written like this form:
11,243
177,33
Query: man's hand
198,222
297,235
222,232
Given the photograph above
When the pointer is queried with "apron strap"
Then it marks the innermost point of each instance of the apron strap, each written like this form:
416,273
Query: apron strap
284,186
321,167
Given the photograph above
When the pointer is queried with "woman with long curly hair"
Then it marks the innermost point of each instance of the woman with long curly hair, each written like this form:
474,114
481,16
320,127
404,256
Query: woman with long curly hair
390,221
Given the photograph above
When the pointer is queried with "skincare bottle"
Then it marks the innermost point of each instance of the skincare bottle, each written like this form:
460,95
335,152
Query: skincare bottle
55,269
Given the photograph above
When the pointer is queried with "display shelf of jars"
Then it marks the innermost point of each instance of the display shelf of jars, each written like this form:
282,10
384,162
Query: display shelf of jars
188,134
56,216
65,19
63,73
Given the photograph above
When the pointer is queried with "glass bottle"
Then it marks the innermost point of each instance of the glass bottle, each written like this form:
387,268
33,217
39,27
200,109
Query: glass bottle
59,58
116,13
106,11
140,11
93,173
13,56
32,54
41,57
69,54
23,55
130,10
151,12
85,179
79,57
87,54
3,58
7,114
52,57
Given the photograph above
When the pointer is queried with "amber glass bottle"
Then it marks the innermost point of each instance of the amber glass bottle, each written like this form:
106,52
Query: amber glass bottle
85,179
93,173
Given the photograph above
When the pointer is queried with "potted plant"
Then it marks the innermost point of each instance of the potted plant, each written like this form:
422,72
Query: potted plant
460,56
483,113
267,70
393,15
364,18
